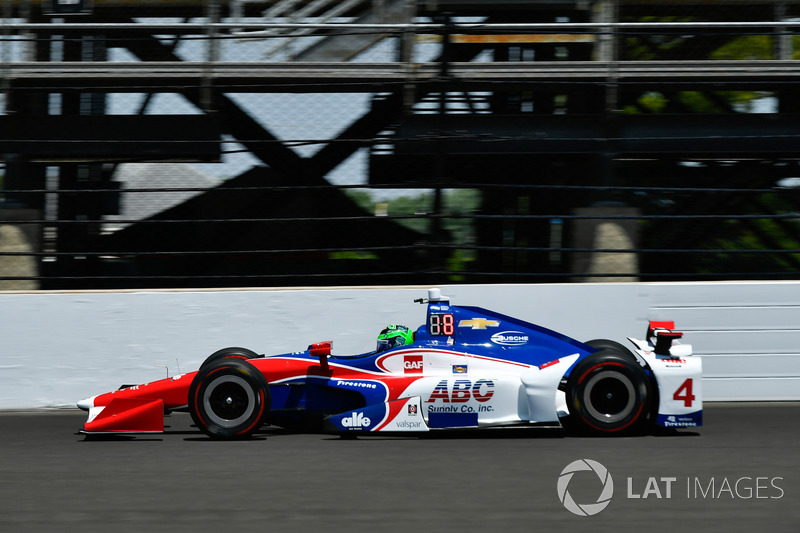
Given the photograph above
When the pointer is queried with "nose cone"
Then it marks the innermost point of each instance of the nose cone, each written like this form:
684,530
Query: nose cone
87,404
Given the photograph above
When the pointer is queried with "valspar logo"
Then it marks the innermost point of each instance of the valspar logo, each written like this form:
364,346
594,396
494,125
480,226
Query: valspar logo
585,509
510,338
356,420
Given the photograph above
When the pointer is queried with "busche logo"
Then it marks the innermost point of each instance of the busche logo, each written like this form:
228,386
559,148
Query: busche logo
510,338
586,509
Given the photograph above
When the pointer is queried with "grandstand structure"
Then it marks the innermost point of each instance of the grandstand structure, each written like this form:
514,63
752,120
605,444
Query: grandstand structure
660,131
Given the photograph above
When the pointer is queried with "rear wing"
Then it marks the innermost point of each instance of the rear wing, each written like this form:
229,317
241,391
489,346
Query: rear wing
662,339
661,335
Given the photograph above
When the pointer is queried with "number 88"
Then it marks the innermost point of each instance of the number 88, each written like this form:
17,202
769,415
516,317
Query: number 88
442,325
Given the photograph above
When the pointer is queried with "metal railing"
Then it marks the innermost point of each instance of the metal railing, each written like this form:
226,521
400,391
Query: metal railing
682,232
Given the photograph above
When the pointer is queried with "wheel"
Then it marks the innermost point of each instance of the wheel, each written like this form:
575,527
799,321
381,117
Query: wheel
607,394
611,346
233,352
228,399
621,349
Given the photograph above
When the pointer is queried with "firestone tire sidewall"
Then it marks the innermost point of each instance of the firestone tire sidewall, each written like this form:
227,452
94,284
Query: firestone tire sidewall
229,399
233,352
611,346
607,394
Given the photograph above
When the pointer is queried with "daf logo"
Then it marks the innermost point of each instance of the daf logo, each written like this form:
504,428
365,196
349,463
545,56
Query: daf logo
510,338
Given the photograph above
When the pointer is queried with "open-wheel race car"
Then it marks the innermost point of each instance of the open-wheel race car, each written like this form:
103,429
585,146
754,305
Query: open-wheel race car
465,368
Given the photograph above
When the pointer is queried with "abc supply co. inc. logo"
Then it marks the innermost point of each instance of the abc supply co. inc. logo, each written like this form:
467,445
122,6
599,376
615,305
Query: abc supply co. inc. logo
585,509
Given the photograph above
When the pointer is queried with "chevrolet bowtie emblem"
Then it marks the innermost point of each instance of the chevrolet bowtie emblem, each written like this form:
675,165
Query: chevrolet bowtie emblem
478,323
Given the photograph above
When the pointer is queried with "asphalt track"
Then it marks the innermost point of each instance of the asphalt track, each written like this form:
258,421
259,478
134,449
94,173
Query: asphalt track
740,472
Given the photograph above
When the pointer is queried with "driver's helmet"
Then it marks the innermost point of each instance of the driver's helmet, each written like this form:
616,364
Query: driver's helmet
394,335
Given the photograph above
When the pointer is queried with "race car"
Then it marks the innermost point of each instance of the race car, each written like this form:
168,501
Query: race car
464,368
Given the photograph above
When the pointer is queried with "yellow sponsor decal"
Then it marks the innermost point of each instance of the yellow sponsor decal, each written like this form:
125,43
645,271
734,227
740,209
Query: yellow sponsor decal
478,323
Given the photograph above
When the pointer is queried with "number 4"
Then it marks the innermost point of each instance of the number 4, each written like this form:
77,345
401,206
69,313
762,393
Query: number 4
684,393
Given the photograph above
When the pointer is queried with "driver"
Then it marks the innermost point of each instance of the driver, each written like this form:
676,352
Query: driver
394,335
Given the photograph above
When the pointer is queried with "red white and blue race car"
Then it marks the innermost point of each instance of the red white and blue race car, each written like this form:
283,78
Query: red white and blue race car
466,367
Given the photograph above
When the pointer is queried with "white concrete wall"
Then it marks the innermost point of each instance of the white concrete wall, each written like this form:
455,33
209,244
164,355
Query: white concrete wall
56,348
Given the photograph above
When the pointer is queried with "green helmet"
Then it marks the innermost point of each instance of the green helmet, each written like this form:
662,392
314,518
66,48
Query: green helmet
394,335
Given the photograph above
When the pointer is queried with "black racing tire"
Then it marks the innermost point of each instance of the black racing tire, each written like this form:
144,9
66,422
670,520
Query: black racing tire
621,349
611,346
229,399
608,394
234,352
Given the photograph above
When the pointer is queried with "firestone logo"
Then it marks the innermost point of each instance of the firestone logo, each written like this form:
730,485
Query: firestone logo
585,509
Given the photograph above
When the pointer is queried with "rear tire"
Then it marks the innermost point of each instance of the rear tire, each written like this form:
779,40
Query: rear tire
228,399
607,394
621,349
611,346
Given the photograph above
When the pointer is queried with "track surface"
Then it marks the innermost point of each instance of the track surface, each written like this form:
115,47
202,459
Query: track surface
52,479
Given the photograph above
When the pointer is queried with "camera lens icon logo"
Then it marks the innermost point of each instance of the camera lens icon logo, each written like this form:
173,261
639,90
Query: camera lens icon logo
586,509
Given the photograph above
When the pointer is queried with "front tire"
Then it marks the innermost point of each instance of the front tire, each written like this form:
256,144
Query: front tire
234,352
228,399
607,394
